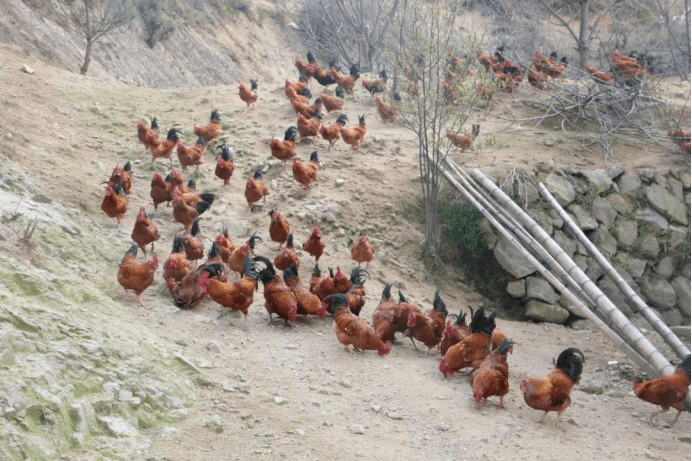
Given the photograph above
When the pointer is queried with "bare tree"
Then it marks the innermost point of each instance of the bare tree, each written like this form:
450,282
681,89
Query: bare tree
92,19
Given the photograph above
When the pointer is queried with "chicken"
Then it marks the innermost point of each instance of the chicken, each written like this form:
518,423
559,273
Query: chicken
287,256
556,70
143,130
455,332
323,76
237,296
211,130
225,244
354,136
537,79
279,228
325,287
122,176
145,231
353,331
376,86
356,294
404,309
186,214
668,391
308,70
309,127
384,318
428,329
248,95
627,65
306,172
496,339
191,155
237,258
341,283
551,392
681,138
279,299
255,189
388,111
306,110
114,204
472,350
314,245
538,59
332,132
224,164
194,243
492,376
333,103
176,181
160,190
362,251
600,77
465,141
136,276
347,82
308,303
163,149
295,87
187,294
286,149
302,97
176,266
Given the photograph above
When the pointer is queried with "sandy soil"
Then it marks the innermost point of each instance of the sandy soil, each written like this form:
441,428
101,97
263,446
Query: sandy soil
295,393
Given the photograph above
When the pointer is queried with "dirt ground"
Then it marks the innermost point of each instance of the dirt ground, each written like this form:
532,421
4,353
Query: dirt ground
295,393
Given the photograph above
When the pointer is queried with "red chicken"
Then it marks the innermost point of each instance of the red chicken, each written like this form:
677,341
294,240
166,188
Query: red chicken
332,132
287,256
160,190
191,155
354,136
279,228
248,95
279,299
314,245
428,329
362,251
376,86
237,258
308,70
668,392
145,231
492,377
473,349
114,204
454,332
295,87
309,127
186,214
136,276
286,149
600,77
308,303
388,111
211,130
122,176
347,82
176,266
143,130
225,244
224,165
353,331
194,243
465,141
163,149
384,318
255,189
333,103
306,172
307,110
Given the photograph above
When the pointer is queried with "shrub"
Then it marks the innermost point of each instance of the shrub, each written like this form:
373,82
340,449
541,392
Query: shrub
461,227
157,26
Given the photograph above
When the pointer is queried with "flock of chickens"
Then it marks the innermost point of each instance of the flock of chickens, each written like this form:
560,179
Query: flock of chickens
478,345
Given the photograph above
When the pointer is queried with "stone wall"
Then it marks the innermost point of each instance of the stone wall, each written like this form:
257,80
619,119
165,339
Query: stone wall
640,222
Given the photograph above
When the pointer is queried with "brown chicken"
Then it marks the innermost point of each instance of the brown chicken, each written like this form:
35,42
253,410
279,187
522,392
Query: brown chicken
315,278
114,204
145,231
356,294
122,176
600,77
376,86
325,287
332,132
279,299
286,149
341,283
194,243
681,138
287,256
362,251
556,70
279,228
454,332
224,165
668,392
354,136
303,97
211,130
347,82
186,214
176,266
492,376
388,111
384,318
255,189
473,349
143,130
465,141
428,329
187,294
496,339
308,70
291,88
551,392
323,76
309,127
225,244
537,79
248,95
163,149
308,303
307,110
353,331
191,155
314,245
333,103
489,63
236,260
160,190
136,276
306,172
237,296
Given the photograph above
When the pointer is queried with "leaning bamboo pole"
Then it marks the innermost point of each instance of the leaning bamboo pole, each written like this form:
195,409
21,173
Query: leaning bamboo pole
648,313
616,318
577,307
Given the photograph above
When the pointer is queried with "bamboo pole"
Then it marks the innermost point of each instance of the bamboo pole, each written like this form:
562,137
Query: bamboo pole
648,313
577,307
616,318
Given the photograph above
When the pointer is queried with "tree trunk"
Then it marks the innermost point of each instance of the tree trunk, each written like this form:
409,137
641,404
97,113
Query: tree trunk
583,45
87,57
687,32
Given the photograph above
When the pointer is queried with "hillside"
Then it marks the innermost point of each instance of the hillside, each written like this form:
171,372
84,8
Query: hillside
214,390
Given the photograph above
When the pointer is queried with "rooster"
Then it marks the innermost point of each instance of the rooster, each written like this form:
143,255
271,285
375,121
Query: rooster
122,176
145,231
237,257
143,130
323,76
302,97
384,318
224,165
295,87
307,70
354,136
309,127
356,294
465,141
163,149
194,243
308,303
279,299
279,227
306,110
347,82
388,111
248,95
376,86
353,331
492,377
114,204
191,155
362,251
537,79
211,130
225,244
473,349
286,149
314,245
668,391
556,70
306,172
332,132
332,103
176,266
428,329
160,190
136,276
454,332
287,257
255,189
186,214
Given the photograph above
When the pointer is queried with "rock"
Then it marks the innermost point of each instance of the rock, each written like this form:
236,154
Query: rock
604,241
8,136
672,317
677,237
7,357
511,259
279,400
681,286
394,415
594,270
684,177
625,231
228,387
581,218
649,246
339,182
517,288
600,180
487,230
603,212
582,262
116,427
538,288
629,181
213,347
216,424
543,312
376,408
666,204
357,429
561,188
647,176
647,215
616,172
556,219
611,290
658,291
682,332
665,267
566,243
675,188
581,324
634,266
27,69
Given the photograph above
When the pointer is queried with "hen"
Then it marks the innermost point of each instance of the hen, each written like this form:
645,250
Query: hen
354,136
325,287
255,189
287,256
668,391
551,392
473,349
122,176
347,82
600,77
332,132
537,79
163,149
236,260
323,76
314,245
279,228
306,172
143,130
187,294
341,283
308,70
454,332
306,110
211,130
114,204
248,95
160,190
176,266
186,214
353,331
194,243
291,88
376,86
279,299
333,103
388,111
309,127
356,294
362,251
286,149
224,165
225,244
191,155
465,141
384,318
428,329
492,376
136,276
556,70
145,231
308,303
